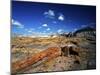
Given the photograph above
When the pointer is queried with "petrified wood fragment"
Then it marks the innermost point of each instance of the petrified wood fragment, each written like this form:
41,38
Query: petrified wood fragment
49,53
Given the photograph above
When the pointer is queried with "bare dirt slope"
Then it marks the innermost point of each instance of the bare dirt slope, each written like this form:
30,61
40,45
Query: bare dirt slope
75,53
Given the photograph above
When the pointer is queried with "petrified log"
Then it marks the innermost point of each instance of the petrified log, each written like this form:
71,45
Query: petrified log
48,53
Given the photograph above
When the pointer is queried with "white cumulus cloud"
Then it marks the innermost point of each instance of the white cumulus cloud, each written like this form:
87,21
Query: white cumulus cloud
48,29
44,25
60,30
17,23
61,17
49,14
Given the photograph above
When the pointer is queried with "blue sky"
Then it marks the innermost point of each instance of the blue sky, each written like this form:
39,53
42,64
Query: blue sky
45,18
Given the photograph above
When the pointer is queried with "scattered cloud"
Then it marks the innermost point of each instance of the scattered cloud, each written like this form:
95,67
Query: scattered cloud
44,25
52,15
30,31
90,24
17,23
48,29
49,14
60,30
61,17
84,26
93,25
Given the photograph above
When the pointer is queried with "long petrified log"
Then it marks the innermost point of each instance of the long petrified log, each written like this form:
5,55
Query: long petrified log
48,53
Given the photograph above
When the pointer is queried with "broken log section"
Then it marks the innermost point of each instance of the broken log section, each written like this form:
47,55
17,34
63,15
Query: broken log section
48,53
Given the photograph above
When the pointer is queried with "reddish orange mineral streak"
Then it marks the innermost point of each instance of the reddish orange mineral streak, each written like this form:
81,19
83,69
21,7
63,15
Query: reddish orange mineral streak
48,53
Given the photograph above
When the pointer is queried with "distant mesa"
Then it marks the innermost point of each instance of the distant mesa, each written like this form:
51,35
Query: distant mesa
85,32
